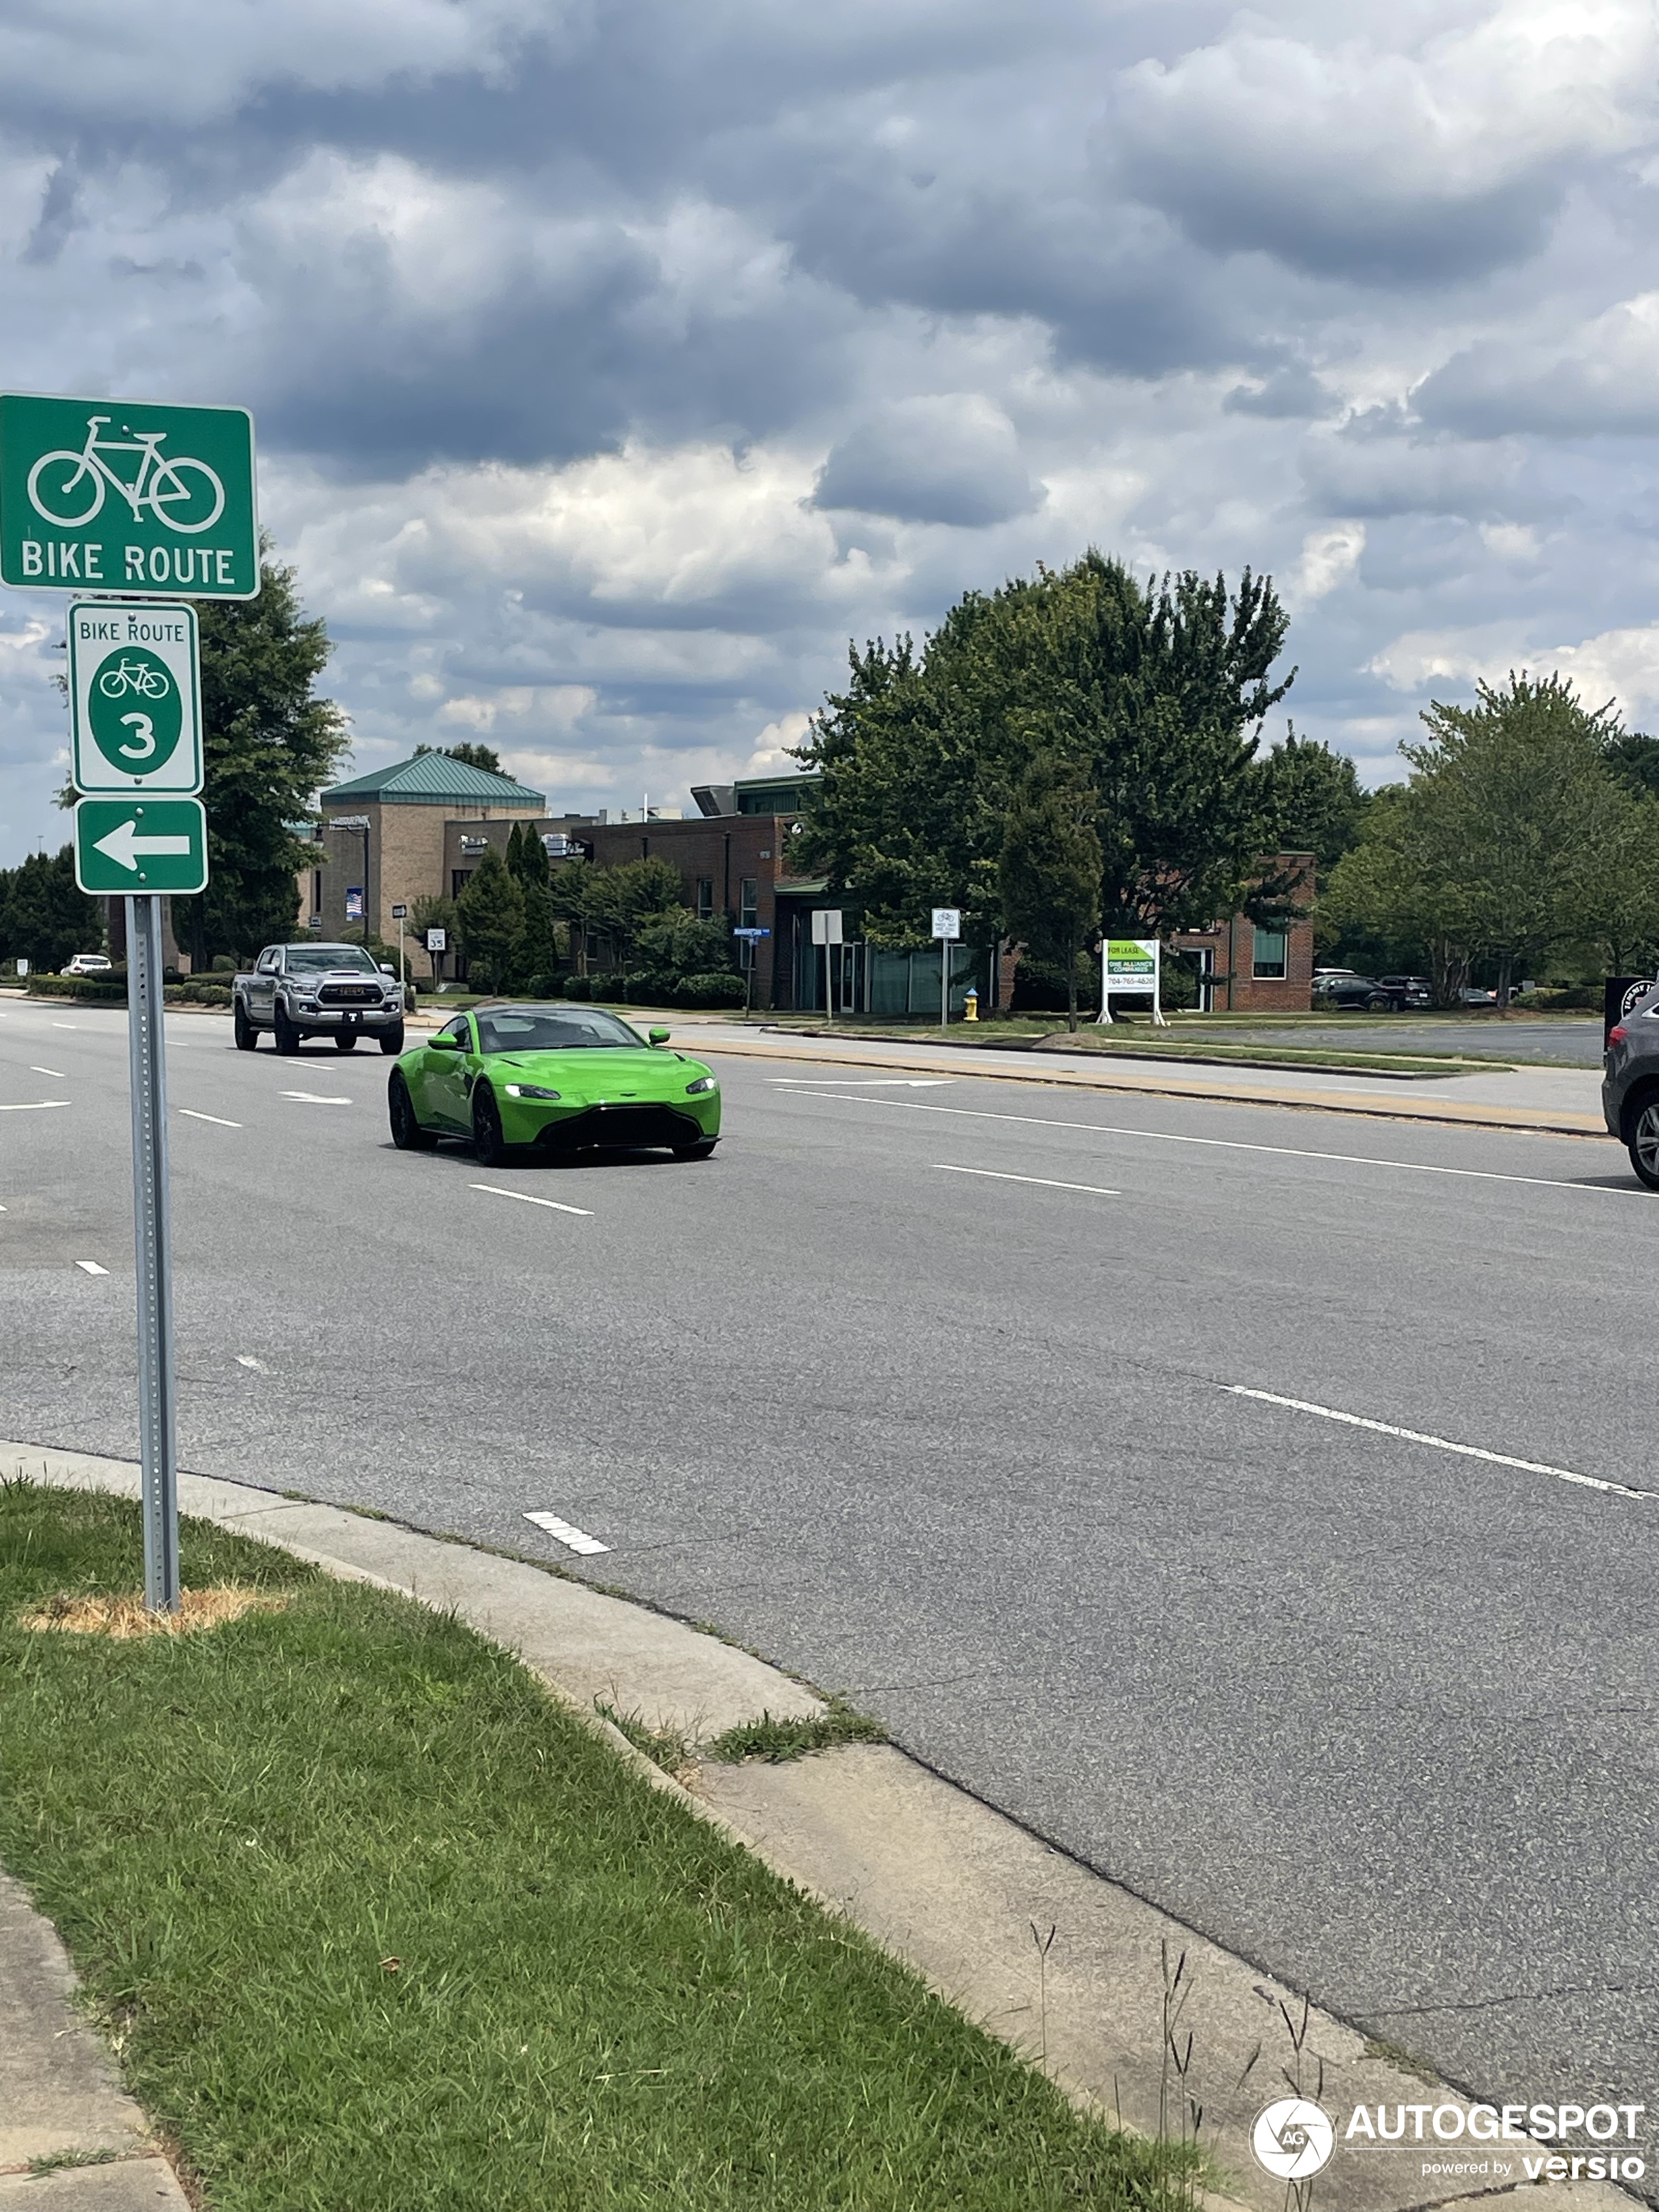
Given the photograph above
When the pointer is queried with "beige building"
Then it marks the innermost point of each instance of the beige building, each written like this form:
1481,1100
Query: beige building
398,855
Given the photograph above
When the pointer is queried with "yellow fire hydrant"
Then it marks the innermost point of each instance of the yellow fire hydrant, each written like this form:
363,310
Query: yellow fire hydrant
972,1012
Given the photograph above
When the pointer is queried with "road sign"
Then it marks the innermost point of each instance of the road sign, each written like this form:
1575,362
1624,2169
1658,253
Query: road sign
751,934
130,496
826,925
1132,967
400,914
141,846
437,941
134,696
947,921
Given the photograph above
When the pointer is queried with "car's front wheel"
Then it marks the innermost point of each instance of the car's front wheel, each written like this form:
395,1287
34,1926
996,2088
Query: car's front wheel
248,1036
488,1145
703,1150
288,1037
407,1134
1644,1143
345,1040
392,1042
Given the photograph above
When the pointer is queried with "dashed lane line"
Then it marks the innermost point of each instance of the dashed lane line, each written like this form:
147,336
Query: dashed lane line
1439,1443
525,1197
574,1540
861,1082
996,1175
57,1074
91,1267
1228,1145
312,1098
217,1119
32,1105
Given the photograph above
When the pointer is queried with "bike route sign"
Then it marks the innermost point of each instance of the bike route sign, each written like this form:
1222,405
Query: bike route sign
135,695
144,499
141,847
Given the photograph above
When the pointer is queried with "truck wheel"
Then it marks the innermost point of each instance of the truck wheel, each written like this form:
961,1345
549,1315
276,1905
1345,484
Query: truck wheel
489,1145
247,1037
345,1040
407,1134
288,1037
392,1042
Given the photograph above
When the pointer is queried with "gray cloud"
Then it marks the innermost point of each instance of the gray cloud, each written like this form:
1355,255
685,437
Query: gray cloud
952,459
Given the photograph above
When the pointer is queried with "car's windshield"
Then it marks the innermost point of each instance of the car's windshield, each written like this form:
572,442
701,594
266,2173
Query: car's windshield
313,959
551,1029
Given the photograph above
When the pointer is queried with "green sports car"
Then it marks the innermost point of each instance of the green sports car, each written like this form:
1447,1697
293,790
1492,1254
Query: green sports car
561,1078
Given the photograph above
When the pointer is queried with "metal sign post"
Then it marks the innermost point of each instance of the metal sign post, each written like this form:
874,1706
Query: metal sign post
153,1241
400,915
826,932
751,938
947,928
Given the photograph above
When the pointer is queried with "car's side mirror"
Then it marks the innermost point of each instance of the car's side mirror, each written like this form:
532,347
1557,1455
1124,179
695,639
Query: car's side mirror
443,1043
658,1037
390,971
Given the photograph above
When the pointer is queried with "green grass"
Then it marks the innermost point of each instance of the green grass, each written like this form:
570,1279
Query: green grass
376,1924
1123,1043
775,1739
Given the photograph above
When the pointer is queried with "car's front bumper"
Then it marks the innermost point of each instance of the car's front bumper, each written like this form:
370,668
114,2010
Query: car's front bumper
351,1017
580,1127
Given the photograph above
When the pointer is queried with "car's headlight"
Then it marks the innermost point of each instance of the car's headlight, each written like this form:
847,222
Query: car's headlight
703,1083
527,1091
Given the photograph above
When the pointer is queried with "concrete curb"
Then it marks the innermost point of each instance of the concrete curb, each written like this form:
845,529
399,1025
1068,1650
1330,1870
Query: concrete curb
1529,1121
954,1888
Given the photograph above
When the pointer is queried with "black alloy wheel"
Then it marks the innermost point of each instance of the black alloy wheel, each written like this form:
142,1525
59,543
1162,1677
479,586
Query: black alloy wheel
489,1145
1644,1143
407,1134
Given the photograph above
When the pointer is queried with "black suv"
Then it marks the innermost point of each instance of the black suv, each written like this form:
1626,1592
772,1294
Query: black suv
1630,1085
1342,993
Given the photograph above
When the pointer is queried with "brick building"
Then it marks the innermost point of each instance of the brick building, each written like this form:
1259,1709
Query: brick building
1245,968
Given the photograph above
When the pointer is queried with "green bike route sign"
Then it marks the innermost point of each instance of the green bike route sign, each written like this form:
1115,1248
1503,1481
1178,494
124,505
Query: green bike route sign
135,695
141,847
145,500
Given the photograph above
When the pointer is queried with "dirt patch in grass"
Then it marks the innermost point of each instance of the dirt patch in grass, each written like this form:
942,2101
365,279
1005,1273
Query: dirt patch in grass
123,1617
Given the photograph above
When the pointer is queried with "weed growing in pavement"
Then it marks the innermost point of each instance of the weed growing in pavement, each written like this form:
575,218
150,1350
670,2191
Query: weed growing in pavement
61,2162
1178,2144
664,1747
777,1740
1045,1945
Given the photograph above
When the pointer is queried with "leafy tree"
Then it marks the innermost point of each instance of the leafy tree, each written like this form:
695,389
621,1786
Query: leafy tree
624,898
526,863
675,945
434,912
483,756
1152,692
44,917
1634,760
570,896
1051,864
490,915
1311,799
271,744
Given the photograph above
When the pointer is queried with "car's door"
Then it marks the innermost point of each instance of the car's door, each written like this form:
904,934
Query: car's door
448,1081
262,988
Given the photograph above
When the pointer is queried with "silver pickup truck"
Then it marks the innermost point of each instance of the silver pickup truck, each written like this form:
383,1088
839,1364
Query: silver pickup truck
298,991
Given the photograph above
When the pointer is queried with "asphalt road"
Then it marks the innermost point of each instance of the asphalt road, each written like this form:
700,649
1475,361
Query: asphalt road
929,1389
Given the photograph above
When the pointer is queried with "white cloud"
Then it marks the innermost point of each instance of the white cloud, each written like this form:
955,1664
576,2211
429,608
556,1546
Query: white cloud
1329,558
1621,664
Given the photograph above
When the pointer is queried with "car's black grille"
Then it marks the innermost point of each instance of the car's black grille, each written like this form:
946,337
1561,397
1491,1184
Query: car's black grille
620,1125
348,995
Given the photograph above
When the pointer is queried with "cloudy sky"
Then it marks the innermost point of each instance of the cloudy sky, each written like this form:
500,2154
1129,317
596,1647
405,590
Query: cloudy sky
614,360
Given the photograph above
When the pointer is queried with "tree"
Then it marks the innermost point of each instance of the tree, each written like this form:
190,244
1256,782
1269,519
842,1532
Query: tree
44,917
483,756
622,899
434,912
1311,799
271,744
1152,692
1050,869
489,913
526,863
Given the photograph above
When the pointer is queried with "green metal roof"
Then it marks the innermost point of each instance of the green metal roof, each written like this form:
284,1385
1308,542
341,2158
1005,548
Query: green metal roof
434,779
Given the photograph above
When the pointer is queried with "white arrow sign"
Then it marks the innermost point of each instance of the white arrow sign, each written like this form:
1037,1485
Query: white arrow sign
125,847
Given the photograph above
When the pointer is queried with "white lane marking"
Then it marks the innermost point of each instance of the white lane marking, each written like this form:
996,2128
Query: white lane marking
66,1025
312,1098
863,1081
944,1167
32,1105
1238,1145
495,1191
56,1073
218,1119
574,1540
91,1267
246,1359
1440,1443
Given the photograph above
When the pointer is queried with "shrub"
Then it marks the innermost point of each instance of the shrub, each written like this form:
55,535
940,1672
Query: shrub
578,986
111,986
716,989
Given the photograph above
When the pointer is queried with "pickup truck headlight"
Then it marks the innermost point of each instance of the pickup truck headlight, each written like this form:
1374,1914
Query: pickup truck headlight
703,1083
528,1091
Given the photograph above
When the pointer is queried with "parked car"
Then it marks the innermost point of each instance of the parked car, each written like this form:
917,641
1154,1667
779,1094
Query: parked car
1342,993
1630,1085
1410,990
562,1077
298,991
1472,996
89,964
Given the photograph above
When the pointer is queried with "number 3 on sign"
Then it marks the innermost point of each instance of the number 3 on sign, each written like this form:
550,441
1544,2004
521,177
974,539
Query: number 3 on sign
145,731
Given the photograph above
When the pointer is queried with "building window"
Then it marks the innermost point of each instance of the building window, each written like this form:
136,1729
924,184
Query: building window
705,897
1271,955
459,880
748,902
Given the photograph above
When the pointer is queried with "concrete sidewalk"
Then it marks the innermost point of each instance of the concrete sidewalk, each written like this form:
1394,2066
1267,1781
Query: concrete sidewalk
940,1879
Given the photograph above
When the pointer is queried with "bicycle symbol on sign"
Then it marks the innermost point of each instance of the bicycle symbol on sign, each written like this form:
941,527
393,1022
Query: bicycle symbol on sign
163,483
132,676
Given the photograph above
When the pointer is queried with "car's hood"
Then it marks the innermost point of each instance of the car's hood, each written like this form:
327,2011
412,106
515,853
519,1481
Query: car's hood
603,1072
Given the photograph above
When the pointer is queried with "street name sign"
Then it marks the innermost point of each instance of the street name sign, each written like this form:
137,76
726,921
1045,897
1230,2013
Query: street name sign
130,496
135,695
141,847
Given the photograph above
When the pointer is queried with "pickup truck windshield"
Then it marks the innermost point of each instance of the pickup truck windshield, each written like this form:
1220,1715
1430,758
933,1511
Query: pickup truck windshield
564,1028
314,959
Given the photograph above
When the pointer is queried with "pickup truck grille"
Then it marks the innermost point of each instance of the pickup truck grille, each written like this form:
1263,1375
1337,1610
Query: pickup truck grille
348,995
